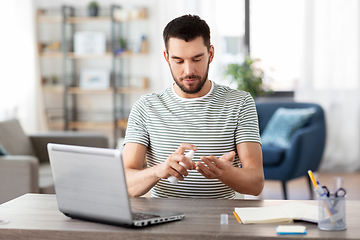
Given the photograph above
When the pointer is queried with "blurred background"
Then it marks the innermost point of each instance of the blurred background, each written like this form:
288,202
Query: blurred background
308,51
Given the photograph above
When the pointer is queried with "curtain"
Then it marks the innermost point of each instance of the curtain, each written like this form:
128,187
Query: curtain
330,76
20,95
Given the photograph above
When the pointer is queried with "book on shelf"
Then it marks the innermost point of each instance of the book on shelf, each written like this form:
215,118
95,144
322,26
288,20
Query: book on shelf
285,213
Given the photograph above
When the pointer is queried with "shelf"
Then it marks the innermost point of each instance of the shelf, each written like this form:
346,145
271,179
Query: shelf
119,16
77,20
56,125
72,55
124,15
51,54
130,89
74,20
130,54
122,123
143,87
48,19
91,125
78,90
53,88
130,19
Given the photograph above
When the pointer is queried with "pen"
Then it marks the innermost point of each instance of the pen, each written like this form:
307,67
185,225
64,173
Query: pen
326,200
237,217
321,192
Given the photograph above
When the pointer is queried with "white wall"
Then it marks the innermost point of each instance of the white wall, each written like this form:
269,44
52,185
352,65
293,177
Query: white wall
329,72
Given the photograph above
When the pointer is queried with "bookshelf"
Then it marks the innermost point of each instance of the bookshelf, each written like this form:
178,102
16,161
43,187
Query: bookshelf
69,114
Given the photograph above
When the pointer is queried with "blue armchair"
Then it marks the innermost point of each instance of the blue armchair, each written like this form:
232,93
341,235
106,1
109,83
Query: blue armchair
306,148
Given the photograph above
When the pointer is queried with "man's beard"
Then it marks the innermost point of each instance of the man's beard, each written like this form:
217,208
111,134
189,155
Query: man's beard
193,89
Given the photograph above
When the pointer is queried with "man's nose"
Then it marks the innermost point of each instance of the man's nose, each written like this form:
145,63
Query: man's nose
189,68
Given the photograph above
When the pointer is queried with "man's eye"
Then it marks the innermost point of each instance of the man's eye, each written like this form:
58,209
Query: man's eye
179,62
197,60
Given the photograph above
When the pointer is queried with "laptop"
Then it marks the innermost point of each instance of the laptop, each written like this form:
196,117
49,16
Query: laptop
90,185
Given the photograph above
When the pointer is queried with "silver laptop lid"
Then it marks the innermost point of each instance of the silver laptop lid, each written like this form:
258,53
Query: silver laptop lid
86,189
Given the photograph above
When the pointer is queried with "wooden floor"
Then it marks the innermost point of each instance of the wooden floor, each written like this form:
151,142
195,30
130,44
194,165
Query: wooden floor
298,189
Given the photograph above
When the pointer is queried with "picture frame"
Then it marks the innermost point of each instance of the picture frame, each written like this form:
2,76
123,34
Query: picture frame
89,43
94,79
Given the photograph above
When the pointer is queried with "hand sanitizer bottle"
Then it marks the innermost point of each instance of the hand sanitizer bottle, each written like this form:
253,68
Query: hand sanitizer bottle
189,156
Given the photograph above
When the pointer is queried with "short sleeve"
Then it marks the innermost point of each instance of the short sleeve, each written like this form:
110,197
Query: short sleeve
248,124
136,131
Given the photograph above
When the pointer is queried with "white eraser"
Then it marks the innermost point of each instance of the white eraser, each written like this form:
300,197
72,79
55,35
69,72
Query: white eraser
291,229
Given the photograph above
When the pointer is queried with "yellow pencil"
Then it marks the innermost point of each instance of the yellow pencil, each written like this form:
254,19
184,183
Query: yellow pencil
237,217
311,175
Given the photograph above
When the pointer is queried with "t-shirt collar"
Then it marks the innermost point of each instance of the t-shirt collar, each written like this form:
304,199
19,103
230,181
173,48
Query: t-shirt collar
193,99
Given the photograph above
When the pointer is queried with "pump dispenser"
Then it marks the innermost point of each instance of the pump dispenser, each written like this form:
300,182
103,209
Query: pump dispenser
189,155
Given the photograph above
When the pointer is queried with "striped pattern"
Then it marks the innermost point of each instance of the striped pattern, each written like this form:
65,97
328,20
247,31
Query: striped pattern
215,123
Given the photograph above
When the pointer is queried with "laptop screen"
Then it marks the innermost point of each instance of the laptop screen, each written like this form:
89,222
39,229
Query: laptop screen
90,183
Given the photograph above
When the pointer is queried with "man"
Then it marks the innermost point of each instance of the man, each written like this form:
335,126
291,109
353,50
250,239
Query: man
220,124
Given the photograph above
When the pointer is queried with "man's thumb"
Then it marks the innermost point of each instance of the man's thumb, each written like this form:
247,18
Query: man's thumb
228,156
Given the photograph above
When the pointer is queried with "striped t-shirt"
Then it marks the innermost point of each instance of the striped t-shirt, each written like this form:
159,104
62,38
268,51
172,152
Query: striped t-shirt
215,123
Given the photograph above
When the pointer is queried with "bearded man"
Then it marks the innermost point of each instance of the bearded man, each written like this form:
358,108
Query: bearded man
219,123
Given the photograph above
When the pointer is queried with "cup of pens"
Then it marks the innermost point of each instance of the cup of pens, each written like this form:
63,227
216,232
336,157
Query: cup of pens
332,206
332,211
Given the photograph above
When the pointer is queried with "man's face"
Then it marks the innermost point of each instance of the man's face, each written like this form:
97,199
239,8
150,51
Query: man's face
189,63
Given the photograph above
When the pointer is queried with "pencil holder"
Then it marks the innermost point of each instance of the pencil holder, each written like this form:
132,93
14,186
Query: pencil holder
332,213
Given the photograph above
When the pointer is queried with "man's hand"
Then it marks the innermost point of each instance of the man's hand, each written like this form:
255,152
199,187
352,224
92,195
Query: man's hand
249,179
215,167
172,167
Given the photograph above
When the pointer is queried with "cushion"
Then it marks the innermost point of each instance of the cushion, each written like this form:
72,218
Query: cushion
272,155
283,123
14,139
3,151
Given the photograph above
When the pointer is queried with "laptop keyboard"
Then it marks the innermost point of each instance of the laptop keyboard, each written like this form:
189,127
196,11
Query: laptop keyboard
141,216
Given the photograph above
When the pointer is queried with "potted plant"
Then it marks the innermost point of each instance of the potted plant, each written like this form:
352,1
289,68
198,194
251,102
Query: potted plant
93,9
247,76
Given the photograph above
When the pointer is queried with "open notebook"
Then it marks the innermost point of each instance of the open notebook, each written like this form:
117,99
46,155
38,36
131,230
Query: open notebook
284,213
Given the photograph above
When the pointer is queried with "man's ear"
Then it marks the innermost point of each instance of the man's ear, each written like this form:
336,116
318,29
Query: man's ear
166,56
211,53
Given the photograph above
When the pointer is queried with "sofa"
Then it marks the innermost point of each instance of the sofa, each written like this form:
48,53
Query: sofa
25,167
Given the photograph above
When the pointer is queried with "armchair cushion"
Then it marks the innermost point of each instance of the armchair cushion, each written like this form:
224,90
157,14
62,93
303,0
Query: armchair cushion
272,155
18,175
89,139
40,141
3,151
283,123
14,139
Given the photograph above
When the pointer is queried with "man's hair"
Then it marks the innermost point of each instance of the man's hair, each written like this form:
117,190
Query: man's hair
187,27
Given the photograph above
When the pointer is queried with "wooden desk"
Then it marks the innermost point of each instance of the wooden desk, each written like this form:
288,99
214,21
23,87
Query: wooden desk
36,216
